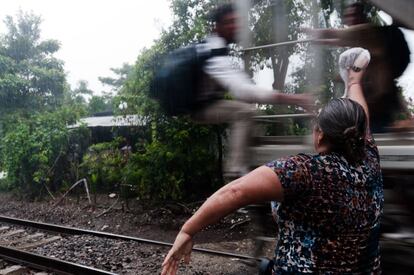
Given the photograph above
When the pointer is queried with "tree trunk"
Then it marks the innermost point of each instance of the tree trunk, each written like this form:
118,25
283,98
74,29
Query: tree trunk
280,56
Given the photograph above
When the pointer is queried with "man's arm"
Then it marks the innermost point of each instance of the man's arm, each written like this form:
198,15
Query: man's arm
362,35
221,70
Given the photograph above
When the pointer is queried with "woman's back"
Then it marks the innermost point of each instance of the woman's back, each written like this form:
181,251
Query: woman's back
329,218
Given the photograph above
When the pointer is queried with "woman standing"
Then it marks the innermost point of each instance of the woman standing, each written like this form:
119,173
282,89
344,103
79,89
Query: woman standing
328,205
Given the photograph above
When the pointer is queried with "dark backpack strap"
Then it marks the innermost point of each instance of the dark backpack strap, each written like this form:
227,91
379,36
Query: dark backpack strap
397,49
219,51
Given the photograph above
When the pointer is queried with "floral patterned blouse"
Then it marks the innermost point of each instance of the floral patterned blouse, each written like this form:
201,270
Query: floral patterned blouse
330,216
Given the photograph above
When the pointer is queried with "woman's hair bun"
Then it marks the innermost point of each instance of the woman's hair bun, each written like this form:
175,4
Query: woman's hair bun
350,132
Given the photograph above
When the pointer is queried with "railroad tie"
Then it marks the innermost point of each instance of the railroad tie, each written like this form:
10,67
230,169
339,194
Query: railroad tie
21,240
39,243
12,233
14,270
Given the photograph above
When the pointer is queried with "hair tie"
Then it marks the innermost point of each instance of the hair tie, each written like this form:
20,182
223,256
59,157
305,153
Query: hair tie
350,131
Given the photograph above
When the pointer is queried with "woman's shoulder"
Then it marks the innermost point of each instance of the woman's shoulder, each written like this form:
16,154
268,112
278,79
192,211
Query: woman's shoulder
299,161
295,172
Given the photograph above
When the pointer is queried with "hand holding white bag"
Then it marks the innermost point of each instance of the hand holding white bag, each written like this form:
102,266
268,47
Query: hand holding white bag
356,59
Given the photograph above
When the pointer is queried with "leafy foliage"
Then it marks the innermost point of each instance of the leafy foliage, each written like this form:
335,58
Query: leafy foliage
31,78
99,104
36,153
103,164
181,163
121,76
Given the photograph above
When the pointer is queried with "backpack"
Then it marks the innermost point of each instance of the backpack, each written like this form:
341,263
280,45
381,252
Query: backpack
397,49
176,82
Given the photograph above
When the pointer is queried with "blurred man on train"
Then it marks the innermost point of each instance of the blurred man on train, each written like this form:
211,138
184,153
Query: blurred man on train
221,76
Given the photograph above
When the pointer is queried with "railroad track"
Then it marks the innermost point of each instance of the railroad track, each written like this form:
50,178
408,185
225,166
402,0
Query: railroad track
67,250
21,244
40,245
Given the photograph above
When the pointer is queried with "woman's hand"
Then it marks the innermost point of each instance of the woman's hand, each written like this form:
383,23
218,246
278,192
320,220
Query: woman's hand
358,67
181,248
354,77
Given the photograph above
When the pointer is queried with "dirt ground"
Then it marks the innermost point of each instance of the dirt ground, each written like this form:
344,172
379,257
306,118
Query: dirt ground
233,234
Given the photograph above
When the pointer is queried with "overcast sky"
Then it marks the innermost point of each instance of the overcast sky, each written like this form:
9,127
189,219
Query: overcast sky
97,35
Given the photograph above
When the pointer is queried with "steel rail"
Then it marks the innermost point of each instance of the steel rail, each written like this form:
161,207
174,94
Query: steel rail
77,231
48,263
286,43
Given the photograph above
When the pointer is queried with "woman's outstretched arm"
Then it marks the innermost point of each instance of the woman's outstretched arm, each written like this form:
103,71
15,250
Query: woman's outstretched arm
262,184
355,75
355,91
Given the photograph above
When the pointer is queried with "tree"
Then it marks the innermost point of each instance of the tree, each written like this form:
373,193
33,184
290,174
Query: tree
35,109
31,78
121,75
99,104
39,152
80,93
105,102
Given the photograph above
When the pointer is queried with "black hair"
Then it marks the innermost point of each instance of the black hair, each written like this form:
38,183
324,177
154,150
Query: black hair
221,11
344,123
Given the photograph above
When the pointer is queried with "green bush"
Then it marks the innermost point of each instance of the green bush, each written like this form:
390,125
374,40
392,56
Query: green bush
103,164
36,153
179,163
